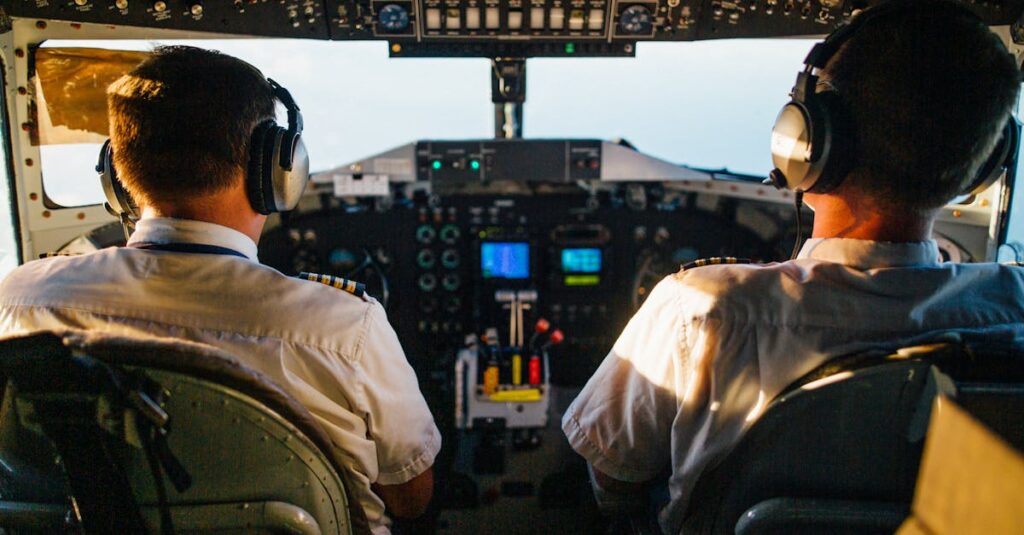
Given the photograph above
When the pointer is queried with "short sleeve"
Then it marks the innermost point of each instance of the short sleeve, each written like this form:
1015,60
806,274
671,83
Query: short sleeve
398,419
621,421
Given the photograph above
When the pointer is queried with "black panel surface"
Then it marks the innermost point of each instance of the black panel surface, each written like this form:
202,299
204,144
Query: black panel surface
498,160
483,28
304,19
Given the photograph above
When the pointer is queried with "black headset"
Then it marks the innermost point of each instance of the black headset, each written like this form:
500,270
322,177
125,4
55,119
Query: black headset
812,140
276,175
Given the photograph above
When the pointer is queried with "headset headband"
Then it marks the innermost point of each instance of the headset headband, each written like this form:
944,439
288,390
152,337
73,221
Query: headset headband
294,113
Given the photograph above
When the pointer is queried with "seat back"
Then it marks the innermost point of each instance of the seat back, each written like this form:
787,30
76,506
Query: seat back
257,460
839,451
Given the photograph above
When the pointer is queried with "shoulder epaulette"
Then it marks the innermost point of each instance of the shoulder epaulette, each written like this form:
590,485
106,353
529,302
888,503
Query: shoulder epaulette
357,289
56,254
714,261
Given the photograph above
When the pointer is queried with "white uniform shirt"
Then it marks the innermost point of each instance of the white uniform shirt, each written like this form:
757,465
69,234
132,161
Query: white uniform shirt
334,352
711,346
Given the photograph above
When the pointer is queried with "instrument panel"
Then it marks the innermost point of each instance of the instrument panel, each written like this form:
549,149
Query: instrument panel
441,263
484,28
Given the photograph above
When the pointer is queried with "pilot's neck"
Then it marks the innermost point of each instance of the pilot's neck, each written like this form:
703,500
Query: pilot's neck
228,207
838,217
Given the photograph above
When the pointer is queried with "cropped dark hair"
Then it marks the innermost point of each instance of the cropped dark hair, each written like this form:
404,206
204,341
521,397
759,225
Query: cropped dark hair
181,122
928,88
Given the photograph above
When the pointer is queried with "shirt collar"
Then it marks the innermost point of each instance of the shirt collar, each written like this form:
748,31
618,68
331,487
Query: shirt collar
867,254
161,230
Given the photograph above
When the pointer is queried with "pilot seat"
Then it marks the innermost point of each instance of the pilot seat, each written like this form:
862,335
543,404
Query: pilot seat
839,451
107,434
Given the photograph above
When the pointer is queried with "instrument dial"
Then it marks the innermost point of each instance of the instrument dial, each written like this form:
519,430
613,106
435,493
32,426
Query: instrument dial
636,20
393,18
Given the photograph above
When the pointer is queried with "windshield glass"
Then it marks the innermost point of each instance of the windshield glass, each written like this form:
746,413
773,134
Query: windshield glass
707,104
8,237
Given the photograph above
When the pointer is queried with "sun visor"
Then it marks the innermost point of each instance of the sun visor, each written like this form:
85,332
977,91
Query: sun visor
70,92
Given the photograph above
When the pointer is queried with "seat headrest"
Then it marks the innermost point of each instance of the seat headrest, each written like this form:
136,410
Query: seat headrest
193,359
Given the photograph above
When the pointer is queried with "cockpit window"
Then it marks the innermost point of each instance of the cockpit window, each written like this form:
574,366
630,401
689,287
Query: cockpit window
355,100
708,104
8,236
1012,248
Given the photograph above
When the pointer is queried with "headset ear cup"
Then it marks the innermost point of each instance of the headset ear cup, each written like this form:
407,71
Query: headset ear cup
286,150
797,142
292,171
119,201
837,142
271,168
254,175
1003,155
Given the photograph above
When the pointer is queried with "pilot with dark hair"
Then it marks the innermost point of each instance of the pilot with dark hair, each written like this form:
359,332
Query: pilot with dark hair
927,89
182,127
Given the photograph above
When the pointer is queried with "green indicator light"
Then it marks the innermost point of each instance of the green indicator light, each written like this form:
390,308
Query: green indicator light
436,165
582,280
474,165
570,48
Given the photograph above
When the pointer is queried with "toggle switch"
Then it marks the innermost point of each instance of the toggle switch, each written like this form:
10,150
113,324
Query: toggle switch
556,18
492,18
472,18
433,19
537,18
515,20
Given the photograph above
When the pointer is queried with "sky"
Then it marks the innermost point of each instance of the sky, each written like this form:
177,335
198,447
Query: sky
707,104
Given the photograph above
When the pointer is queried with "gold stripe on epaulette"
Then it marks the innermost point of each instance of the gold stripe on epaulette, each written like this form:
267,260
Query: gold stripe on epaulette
714,261
345,285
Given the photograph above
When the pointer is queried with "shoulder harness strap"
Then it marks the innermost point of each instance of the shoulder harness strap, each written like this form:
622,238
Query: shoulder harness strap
715,261
357,289
57,253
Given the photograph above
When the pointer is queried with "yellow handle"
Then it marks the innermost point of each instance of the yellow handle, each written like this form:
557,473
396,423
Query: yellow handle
522,396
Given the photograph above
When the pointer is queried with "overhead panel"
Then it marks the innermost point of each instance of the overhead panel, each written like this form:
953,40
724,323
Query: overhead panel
304,19
483,28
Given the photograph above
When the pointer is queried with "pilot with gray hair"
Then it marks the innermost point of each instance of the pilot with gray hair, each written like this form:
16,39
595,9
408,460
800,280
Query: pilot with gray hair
196,161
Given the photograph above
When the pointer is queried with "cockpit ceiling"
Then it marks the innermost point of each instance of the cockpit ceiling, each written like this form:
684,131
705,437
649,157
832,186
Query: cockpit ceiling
483,28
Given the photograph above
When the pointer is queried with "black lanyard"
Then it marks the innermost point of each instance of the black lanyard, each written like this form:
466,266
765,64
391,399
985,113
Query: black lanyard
196,248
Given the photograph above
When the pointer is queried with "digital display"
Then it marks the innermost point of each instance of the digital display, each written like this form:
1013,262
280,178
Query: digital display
505,260
582,280
581,260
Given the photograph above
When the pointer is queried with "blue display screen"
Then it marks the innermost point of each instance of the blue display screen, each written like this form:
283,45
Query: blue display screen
505,260
581,260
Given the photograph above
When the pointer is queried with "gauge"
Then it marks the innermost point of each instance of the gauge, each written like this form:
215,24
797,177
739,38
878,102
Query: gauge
393,18
636,20
425,234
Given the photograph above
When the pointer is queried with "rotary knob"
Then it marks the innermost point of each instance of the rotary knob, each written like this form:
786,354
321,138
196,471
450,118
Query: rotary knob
636,20
393,18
